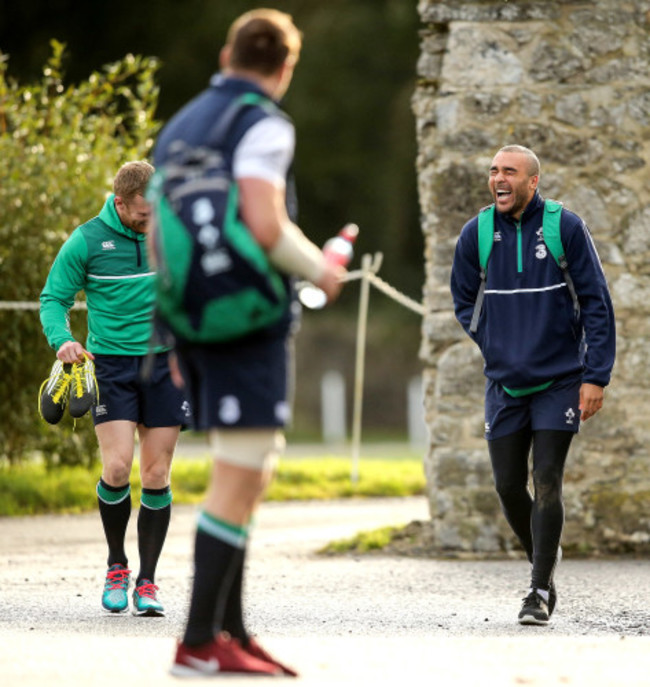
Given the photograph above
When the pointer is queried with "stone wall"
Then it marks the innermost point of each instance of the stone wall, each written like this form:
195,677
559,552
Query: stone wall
571,80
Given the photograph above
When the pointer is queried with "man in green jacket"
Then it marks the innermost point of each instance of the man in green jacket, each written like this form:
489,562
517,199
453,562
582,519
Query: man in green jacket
106,257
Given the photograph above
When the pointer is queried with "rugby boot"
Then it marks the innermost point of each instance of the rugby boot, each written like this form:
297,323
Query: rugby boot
83,388
54,392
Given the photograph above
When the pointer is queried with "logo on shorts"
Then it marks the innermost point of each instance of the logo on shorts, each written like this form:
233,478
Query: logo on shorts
229,410
101,410
108,245
487,427
282,411
570,416
186,409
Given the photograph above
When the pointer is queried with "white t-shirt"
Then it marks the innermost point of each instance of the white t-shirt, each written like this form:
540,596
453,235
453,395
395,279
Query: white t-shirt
266,151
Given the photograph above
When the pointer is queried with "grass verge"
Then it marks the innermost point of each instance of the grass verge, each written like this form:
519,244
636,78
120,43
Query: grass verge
30,489
362,542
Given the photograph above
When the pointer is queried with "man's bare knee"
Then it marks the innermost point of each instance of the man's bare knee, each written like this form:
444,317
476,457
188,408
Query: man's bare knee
155,473
117,470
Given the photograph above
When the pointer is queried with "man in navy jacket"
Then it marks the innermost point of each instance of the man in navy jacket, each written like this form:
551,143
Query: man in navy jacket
546,363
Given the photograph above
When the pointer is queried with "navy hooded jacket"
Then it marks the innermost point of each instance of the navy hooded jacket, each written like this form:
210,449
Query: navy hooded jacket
528,332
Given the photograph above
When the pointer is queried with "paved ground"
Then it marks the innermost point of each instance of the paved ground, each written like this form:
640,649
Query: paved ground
350,620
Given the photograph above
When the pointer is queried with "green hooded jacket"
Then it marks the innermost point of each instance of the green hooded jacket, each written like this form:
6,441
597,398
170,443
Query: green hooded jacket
107,261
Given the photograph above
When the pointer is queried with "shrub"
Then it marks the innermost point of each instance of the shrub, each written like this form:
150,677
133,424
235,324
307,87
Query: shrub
60,147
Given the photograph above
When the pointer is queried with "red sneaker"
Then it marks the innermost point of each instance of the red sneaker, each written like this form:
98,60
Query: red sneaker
254,649
221,655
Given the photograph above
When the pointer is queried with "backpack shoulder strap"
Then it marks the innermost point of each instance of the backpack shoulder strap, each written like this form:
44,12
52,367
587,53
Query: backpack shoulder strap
551,228
553,241
485,235
485,241
221,128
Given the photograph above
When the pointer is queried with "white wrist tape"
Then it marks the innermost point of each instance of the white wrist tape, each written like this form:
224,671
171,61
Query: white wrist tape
294,253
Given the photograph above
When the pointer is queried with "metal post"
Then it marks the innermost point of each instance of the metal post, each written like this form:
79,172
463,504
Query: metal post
333,407
359,366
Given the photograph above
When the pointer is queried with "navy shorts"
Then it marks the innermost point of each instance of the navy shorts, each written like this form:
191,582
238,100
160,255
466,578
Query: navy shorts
243,383
125,395
553,408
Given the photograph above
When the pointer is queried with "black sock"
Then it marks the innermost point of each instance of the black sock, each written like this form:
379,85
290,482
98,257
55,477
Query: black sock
233,614
217,545
115,511
153,523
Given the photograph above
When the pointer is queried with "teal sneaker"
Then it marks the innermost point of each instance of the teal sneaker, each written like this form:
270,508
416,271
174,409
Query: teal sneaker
114,598
145,601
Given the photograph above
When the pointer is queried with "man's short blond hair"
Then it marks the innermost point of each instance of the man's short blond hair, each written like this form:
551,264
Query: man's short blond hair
131,179
262,40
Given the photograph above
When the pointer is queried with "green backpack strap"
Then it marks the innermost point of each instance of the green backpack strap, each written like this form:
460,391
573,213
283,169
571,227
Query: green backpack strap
485,235
553,241
551,225
485,241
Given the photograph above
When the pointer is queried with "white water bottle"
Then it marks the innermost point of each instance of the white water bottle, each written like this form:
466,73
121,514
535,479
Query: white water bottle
337,251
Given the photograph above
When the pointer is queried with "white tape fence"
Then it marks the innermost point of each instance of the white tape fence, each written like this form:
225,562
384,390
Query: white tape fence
368,276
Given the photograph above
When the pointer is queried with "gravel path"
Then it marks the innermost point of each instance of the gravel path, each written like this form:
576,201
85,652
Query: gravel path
349,619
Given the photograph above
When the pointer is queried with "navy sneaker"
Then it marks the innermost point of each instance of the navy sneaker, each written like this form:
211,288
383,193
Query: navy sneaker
552,599
534,610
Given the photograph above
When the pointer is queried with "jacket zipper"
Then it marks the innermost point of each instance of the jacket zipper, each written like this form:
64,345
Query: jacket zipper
520,266
139,254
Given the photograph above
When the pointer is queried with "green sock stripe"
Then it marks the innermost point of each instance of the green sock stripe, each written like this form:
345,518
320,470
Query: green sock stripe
220,529
112,497
156,501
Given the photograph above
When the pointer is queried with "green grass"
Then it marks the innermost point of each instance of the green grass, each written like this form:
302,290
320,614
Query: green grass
362,542
30,489
330,478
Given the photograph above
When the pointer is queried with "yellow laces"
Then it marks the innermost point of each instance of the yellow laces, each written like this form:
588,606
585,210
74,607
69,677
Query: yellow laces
79,371
61,388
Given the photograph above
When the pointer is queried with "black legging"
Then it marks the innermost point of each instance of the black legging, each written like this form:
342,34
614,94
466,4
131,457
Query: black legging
537,522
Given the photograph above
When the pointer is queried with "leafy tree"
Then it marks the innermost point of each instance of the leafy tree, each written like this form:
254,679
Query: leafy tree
350,99
60,146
